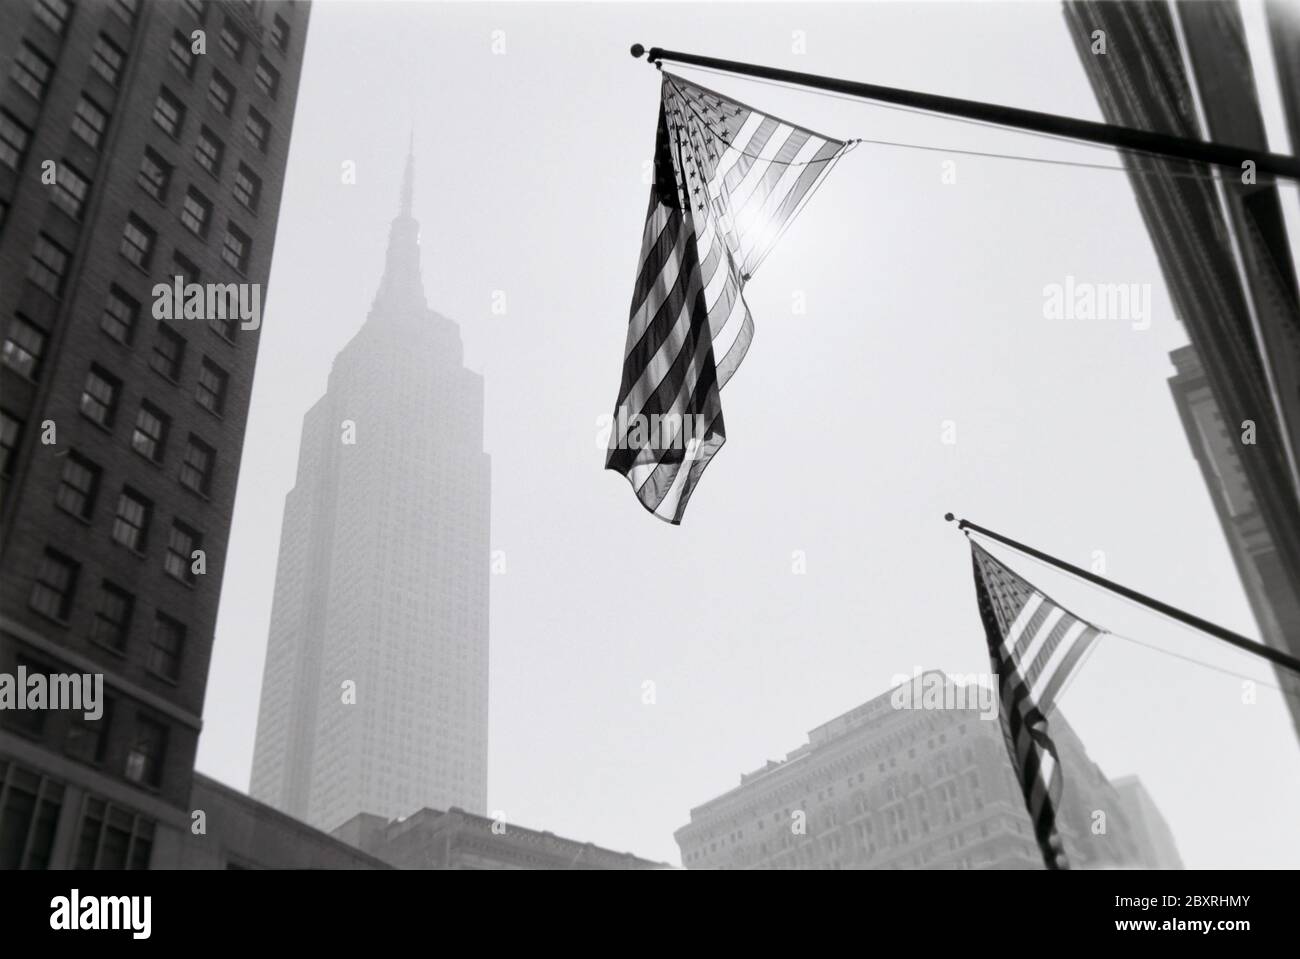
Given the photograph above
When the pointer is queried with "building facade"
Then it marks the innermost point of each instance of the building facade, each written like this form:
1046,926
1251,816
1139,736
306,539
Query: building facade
1155,840
1244,324
139,141
455,839
883,787
374,697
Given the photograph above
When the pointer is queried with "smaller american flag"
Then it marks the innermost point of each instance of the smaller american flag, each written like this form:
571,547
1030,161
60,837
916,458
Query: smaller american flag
1035,645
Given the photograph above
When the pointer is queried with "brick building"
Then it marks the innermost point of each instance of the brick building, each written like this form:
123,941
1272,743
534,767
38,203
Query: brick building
139,141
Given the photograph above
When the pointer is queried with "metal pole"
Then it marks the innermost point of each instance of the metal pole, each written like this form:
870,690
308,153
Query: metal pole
1173,612
1123,138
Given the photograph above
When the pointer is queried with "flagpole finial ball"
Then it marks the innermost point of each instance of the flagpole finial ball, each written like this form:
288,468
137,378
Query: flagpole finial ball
638,51
949,517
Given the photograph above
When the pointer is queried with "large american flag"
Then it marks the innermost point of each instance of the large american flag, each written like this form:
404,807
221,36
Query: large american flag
1035,645
728,180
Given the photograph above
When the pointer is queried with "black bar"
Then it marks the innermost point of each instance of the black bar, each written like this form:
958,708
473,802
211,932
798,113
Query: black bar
1173,612
1124,138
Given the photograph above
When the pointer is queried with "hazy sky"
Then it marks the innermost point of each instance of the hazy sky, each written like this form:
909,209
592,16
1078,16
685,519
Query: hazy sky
924,303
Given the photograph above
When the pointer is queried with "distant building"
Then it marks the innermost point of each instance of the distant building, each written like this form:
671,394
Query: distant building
882,787
430,839
242,833
1155,842
375,692
127,159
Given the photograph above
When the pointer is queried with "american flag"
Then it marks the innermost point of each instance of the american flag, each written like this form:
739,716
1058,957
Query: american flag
728,180
1035,645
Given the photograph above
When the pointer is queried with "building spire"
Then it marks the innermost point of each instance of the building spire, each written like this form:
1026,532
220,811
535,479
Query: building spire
401,283
408,178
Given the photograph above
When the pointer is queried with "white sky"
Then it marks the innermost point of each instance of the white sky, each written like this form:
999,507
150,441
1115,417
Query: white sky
924,304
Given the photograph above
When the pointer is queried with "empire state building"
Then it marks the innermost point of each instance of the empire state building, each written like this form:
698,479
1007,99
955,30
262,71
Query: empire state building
375,692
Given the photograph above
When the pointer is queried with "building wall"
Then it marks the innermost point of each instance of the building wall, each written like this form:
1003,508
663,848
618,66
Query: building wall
144,688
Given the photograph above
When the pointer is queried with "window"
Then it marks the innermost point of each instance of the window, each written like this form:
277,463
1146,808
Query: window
165,647
78,486
195,212
32,71
211,391
182,55
54,14
168,352
208,151
196,467
70,189
131,525
223,326
30,721
99,396
169,113
24,347
113,838
155,174
256,129
29,812
235,247
232,40
48,265
181,543
267,78
10,429
113,617
144,759
56,581
196,7
119,316
149,438
280,32
13,140
248,188
221,94
137,242
86,739
107,59
184,267
89,121
126,9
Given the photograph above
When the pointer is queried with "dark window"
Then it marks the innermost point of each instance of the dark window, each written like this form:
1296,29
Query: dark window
113,838
29,813
165,647
113,617
232,40
211,390
155,174
280,32
126,9
195,212
89,121
54,586
168,352
144,758
267,78
196,7
248,187
70,190
182,56
30,721
256,129
221,94
196,467
182,541
107,59
131,525
208,151
137,242
223,326
169,113
54,14
235,248
48,265
10,429
149,438
14,138
87,739
99,396
120,311
24,347
32,71
78,486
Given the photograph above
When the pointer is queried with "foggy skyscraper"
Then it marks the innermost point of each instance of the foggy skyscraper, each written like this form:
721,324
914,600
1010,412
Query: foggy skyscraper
374,697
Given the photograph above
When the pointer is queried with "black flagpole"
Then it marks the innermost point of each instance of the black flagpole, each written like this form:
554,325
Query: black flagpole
1123,138
1173,612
